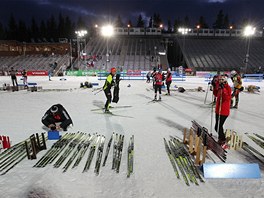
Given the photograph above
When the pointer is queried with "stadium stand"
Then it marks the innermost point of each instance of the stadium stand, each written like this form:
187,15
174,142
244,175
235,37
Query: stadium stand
219,53
140,49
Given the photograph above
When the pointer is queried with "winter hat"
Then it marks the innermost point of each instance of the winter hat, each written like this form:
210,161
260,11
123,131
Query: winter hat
54,109
169,70
223,78
113,70
233,73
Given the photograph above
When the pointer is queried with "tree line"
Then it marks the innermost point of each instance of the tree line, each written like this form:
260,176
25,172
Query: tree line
63,27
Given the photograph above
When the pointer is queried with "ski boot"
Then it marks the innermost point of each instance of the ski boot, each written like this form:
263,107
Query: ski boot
107,111
223,144
236,104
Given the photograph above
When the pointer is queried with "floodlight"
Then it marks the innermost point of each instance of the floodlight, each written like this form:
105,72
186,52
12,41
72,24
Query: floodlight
249,31
162,53
81,33
184,30
107,30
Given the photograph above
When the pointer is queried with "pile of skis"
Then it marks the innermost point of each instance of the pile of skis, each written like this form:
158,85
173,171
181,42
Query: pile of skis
72,147
182,162
9,158
259,140
209,141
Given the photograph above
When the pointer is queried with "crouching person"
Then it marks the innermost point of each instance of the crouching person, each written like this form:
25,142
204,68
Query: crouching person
57,114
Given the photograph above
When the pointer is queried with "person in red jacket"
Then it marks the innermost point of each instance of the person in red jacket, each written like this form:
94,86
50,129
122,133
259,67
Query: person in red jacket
168,80
158,84
222,108
215,84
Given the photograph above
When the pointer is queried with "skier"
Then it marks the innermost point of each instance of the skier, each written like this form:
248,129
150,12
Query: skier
215,84
109,82
222,108
158,84
168,80
237,82
57,114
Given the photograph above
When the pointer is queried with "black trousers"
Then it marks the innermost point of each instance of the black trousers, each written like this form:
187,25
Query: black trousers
50,120
221,120
14,81
158,87
108,96
168,86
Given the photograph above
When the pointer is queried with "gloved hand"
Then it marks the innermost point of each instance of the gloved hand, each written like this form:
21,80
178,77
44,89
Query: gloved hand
209,83
52,127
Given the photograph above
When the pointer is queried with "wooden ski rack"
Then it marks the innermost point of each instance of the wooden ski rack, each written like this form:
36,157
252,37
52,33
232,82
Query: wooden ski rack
199,140
195,145
35,145
234,140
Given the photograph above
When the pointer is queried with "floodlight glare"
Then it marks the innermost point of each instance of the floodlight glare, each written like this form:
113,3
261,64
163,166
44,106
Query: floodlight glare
184,30
107,30
81,33
249,31
162,53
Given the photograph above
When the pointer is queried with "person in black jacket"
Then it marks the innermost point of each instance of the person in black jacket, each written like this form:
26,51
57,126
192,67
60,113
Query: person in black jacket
109,82
57,114
12,73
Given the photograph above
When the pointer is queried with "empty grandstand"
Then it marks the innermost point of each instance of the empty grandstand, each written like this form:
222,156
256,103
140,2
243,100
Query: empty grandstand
141,49
33,56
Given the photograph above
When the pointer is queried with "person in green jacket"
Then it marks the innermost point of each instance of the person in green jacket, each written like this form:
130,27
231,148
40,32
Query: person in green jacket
109,82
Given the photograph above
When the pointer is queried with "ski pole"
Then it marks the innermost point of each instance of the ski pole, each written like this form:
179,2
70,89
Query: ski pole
206,92
220,108
212,112
98,91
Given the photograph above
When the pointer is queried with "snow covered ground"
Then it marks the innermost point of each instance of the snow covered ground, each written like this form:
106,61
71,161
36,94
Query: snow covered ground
149,122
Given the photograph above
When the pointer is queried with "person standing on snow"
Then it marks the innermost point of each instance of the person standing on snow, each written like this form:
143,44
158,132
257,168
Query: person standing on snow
24,74
168,80
222,108
109,82
148,77
237,82
12,73
158,84
215,84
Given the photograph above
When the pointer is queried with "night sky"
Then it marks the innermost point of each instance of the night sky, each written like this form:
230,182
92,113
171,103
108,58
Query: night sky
97,11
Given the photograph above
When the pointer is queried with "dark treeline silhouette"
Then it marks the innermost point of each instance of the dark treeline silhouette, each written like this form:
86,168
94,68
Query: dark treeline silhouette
54,28
45,31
